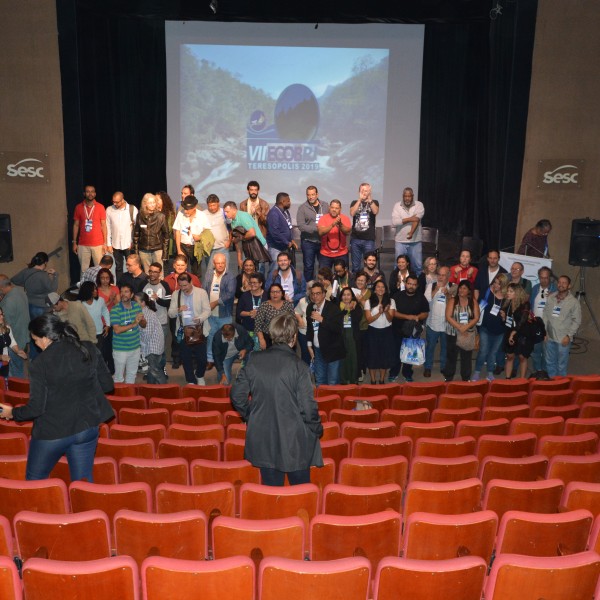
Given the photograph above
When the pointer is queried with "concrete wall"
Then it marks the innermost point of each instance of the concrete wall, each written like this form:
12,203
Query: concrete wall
564,124
31,126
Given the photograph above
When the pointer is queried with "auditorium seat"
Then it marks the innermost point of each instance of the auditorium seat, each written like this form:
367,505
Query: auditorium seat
580,494
105,470
119,402
550,398
178,431
510,385
583,396
382,429
189,449
561,383
331,431
568,411
10,582
461,400
539,426
590,409
427,579
381,447
536,534
181,535
144,416
516,577
13,466
506,399
441,430
136,448
342,415
24,427
505,412
430,536
456,415
258,538
102,579
18,384
389,389
197,418
15,398
509,446
478,428
527,468
449,448
340,499
231,417
451,498
585,382
467,387
237,430
159,390
341,390
172,404
233,449
423,388
13,443
132,432
373,536
416,415
379,402
579,444
575,468
6,538
577,425
346,578
73,536
223,405
206,391
154,471
373,471
125,389
502,495
337,450
429,468
328,403
407,402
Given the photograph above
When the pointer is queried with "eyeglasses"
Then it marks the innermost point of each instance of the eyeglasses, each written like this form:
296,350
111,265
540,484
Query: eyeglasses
153,271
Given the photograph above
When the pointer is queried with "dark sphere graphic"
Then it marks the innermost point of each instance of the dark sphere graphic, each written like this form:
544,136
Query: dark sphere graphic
297,114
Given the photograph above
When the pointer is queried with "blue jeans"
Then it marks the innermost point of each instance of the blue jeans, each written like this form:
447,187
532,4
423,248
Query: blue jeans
304,355
156,363
414,251
310,252
79,448
327,261
557,358
227,364
431,339
187,355
537,356
489,345
358,249
274,477
16,366
215,324
326,373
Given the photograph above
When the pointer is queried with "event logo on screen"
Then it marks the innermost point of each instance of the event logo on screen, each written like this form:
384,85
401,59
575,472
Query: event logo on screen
286,142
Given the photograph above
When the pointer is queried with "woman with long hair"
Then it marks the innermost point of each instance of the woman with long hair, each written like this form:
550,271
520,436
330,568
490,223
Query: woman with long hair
107,290
362,293
462,314
379,312
267,311
249,303
399,274
96,306
150,233
38,281
428,278
353,312
491,330
68,381
242,280
164,204
515,312
7,341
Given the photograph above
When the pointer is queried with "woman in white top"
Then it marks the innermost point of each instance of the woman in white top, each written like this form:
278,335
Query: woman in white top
379,312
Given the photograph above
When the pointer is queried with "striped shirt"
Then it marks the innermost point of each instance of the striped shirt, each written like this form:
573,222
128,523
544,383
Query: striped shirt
130,339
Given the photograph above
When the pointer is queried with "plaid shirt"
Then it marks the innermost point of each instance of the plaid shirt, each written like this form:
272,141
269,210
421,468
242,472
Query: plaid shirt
152,338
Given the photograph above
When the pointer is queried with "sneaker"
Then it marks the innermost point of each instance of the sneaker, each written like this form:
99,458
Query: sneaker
490,377
427,373
408,379
143,366
475,376
200,381
391,379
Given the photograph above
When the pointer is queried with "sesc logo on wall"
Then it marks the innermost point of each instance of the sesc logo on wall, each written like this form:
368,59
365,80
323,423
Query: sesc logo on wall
560,174
24,167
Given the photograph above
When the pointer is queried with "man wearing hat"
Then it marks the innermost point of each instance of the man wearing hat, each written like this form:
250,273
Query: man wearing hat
188,226
75,314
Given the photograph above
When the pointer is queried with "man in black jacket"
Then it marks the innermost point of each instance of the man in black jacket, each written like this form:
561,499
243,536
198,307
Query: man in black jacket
325,336
228,344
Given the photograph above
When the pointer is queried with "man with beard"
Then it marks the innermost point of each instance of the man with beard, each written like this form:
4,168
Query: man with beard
412,309
307,218
256,207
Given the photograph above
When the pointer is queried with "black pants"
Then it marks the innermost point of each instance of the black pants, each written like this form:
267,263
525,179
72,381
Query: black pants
193,265
274,477
120,256
452,352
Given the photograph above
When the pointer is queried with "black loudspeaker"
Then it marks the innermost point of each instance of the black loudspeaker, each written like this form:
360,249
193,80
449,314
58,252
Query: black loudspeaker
585,243
6,247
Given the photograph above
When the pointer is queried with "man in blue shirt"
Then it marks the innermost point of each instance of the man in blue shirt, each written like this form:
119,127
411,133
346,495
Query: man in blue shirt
279,229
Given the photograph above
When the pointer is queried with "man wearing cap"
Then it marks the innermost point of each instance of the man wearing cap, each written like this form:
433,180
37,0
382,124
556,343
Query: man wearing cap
75,314
188,226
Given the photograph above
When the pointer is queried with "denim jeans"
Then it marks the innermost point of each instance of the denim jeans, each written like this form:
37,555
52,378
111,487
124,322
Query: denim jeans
489,344
557,358
126,365
310,252
274,477
414,251
431,339
156,373
304,355
326,373
538,358
79,448
215,324
16,366
187,355
227,365
358,248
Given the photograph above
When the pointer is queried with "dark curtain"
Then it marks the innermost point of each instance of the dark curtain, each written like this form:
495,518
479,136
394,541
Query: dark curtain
473,122
474,111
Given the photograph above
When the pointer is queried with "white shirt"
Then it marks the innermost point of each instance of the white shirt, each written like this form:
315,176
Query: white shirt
436,319
288,285
540,300
119,226
216,222
381,322
400,212
188,227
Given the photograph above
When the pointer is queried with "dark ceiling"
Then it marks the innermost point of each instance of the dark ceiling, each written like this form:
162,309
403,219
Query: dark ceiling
307,11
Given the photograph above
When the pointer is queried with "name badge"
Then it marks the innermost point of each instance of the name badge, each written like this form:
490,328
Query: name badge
317,218
463,318
347,322
441,299
143,226
216,287
88,225
509,322
495,310
315,326
556,311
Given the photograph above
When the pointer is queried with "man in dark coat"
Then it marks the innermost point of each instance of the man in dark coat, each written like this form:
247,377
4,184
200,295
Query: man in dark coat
283,419
325,336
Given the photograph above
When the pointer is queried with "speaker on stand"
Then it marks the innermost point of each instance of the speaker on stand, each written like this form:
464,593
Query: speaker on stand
6,247
584,251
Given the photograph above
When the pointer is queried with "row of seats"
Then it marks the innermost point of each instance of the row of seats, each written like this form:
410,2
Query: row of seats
191,535
512,577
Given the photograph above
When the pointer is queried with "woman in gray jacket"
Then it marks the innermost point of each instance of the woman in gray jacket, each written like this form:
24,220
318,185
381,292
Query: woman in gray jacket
283,420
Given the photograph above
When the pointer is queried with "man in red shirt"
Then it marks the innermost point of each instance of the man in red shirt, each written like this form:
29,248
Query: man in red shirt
333,229
89,229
